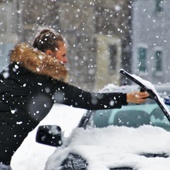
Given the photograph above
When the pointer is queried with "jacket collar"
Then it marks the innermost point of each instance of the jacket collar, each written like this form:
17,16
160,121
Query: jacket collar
38,62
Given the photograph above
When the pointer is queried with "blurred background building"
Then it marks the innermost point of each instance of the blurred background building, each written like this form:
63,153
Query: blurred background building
102,36
151,40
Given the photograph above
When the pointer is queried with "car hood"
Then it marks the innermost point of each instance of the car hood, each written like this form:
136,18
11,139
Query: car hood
113,147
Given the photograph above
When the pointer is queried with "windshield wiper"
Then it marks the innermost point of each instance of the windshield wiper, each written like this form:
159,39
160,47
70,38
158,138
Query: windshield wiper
152,94
122,168
153,155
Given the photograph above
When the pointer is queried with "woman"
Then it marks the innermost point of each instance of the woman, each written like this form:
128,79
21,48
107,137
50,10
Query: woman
35,79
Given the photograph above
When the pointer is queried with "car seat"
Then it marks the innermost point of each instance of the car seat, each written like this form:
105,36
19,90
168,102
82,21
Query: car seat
101,118
157,113
131,118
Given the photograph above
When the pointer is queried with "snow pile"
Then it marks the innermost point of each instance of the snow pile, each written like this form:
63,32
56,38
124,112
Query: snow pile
116,146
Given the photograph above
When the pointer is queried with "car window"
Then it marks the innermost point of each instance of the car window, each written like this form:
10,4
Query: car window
132,116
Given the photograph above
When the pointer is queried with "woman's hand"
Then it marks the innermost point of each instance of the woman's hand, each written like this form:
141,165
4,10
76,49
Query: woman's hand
137,97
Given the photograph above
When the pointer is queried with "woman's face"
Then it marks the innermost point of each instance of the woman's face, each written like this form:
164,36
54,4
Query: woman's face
60,53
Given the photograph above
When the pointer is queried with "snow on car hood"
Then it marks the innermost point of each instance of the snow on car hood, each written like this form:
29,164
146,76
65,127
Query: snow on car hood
116,146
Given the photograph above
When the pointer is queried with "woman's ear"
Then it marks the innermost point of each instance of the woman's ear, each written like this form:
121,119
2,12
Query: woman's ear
48,52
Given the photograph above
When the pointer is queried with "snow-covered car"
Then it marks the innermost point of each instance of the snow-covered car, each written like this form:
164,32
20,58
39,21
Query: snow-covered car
135,137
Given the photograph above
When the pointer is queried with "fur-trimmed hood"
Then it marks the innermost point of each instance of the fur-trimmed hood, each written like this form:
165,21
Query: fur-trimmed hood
38,62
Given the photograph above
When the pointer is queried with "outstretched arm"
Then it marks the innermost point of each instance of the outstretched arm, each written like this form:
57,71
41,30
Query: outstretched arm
73,96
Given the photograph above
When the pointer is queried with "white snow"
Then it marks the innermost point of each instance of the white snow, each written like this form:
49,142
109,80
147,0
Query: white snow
32,155
118,146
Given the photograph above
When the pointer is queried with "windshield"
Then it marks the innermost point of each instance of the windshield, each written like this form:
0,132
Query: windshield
132,116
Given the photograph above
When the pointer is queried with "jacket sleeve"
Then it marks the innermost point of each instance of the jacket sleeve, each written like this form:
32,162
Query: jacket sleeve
70,95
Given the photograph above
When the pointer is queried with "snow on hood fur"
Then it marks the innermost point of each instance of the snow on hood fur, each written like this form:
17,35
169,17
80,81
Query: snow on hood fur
38,62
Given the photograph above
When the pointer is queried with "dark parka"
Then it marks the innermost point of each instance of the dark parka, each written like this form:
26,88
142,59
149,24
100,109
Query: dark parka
29,87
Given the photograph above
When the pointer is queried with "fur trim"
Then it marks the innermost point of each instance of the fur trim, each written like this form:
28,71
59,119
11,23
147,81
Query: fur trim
38,62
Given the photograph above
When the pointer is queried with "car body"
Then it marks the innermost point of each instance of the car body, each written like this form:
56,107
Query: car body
135,137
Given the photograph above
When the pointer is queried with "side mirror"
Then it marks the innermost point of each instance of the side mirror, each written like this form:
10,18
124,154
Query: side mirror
49,135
